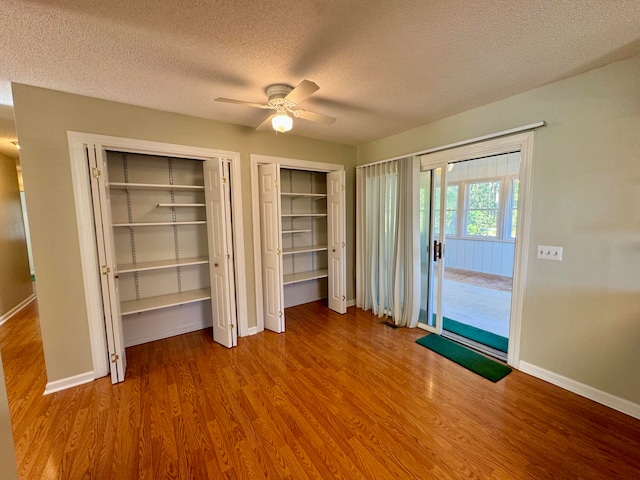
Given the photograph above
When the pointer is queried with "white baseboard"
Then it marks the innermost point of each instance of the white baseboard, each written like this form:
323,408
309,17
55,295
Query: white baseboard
141,336
17,308
69,382
351,303
166,322
251,331
604,398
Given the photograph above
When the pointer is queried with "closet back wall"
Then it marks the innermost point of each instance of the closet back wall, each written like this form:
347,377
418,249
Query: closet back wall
43,118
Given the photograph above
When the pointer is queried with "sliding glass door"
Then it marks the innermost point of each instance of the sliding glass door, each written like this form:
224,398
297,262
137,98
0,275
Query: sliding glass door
473,204
432,240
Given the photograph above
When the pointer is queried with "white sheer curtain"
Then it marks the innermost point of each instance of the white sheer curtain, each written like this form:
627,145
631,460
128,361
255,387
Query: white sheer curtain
387,240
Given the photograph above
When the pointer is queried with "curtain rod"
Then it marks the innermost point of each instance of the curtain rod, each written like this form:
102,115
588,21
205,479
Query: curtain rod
461,143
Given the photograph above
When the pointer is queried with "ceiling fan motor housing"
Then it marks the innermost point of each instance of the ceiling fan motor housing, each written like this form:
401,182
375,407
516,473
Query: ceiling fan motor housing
276,95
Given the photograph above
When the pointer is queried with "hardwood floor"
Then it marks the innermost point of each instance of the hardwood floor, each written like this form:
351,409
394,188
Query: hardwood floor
336,396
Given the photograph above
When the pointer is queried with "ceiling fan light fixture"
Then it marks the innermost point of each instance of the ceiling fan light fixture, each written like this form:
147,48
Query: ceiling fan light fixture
282,122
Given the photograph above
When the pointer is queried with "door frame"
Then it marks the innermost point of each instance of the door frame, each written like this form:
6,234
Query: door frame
292,163
442,238
522,142
78,143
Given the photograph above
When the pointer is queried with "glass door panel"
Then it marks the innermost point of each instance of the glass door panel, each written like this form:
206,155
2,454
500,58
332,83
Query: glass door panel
425,242
432,245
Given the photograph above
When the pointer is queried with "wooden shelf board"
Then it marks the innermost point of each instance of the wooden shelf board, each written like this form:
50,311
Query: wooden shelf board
153,186
291,215
309,195
163,301
155,224
304,276
313,248
173,205
297,231
159,264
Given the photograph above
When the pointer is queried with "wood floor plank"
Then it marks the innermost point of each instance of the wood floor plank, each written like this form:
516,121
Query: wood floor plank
335,396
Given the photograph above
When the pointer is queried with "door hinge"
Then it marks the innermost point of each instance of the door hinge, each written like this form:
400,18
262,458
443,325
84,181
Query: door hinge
114,357
95,172
280,314
232,326
342,187
228,256
279,252
343,298
105,270
343,245
277,183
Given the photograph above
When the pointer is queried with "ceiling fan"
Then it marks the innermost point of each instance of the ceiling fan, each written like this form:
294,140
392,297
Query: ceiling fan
283,99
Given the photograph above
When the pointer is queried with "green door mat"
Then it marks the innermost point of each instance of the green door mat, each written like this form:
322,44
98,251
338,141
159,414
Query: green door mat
469,359
476,334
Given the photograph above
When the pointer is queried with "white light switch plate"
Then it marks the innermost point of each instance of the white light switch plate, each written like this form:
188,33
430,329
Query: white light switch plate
547,252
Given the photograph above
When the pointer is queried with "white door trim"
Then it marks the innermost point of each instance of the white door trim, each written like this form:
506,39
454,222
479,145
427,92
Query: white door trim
293,163
78,142
522,142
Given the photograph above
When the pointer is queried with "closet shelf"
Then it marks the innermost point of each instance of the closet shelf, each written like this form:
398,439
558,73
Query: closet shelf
159,264
308,230
292,215
173,205
308,195
155,224
153,186
312,248
163,301
304,276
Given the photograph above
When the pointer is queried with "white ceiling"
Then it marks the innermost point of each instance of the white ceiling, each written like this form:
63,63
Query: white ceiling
382,66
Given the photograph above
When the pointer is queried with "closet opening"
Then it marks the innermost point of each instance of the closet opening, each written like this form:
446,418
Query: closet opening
300,240
163,260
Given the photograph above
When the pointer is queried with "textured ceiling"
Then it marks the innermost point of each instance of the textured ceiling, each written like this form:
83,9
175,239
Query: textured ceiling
382,66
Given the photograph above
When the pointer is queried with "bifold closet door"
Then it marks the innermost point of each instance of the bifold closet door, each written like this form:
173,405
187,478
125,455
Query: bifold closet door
336,232
107,258
218,206
270,228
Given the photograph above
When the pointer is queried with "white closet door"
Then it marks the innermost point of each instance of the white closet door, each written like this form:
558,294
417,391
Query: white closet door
218,206
336,225
107,257
270,228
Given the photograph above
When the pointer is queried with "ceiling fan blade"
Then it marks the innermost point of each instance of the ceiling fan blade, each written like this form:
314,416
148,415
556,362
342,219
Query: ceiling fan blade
266,124
315,117
302,91
242,102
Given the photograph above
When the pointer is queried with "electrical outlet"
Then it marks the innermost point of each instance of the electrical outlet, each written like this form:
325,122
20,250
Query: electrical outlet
547,252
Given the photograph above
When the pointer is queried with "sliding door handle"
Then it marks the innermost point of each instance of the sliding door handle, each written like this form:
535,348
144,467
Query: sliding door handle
438,250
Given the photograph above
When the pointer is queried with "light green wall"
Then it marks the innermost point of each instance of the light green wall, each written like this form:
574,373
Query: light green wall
43,118
7,458
581,316
15,279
